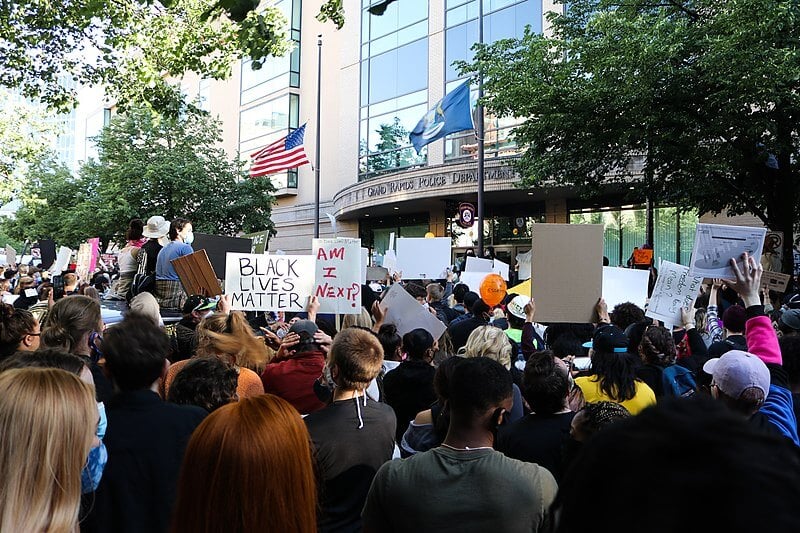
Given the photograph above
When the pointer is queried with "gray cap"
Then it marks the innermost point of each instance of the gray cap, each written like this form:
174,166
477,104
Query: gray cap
791,319
306,329
736,371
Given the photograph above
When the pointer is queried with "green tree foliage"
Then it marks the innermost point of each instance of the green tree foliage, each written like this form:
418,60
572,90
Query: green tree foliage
131,46
701,95
389,156
147,166
25,134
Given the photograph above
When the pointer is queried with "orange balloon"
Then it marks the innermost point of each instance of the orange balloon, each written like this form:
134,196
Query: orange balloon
493,289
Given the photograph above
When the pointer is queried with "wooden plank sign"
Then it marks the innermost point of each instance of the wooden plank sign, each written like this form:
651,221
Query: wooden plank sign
197,275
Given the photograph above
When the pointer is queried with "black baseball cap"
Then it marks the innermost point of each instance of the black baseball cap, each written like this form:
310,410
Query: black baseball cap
608,339
196,302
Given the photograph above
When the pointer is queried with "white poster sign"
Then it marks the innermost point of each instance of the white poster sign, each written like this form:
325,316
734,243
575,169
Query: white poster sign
364,263
478,264
715,245
675,288
406,313
337,275
421,258
472,280
259,282
501,268
62,260
622,285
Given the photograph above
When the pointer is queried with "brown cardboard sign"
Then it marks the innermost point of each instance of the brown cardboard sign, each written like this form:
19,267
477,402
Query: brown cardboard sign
774,281
567,271
197,275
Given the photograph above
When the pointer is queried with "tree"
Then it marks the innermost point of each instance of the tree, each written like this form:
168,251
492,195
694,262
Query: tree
131,46
147,165
703,92
389,157
25,135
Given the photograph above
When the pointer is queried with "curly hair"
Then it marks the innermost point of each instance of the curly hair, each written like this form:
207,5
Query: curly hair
206,382
657,346
625,314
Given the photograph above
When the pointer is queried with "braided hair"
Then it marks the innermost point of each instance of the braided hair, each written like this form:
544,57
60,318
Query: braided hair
657,346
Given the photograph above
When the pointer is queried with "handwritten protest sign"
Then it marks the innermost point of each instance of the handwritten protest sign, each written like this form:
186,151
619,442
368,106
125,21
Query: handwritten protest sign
501,268
94,243
422,258
337,275
258,241
675,288
407,314
259,282
11,255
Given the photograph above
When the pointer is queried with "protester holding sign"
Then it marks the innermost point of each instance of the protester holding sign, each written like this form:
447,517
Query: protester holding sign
169,291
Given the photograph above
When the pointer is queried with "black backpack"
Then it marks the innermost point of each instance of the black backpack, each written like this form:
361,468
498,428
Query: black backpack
142,280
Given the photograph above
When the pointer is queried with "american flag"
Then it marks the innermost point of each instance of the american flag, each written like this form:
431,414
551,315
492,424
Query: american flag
285,153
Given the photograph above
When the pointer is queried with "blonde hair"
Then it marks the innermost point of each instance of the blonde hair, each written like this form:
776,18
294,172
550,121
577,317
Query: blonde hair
363,319
491,342
230,336
48,419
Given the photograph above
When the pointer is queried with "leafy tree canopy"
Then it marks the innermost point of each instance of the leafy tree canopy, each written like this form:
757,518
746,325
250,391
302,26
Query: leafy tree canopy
704,93
131,45
25,134
147,165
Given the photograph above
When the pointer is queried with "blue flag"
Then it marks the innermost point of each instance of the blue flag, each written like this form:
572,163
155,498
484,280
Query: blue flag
451,114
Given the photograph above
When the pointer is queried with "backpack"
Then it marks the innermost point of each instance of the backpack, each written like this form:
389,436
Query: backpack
142,281
678,381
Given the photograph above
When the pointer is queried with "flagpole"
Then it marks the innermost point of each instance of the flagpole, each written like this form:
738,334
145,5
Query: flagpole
480,136
319,112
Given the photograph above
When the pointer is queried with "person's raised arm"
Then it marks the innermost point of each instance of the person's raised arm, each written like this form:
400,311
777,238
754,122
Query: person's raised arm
602,312
312,308
528,340
761,338
712,313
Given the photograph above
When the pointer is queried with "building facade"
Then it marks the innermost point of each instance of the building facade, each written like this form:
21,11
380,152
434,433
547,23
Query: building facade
379,75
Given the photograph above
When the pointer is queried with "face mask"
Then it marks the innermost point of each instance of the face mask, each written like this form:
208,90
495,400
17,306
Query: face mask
189,239
98,456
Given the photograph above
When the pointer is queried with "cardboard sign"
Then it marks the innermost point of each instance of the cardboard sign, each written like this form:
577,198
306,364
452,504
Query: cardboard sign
258,241
675,288
643,256
196,274
622,285
217,246
775,281
337,275
258,282
83,261
568,261
421,258
406,313
11,255
715,245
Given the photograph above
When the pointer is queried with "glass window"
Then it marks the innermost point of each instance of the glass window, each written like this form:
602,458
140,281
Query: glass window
399,71
264,119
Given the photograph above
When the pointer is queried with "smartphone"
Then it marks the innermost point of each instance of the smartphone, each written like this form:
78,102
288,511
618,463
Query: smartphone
58,287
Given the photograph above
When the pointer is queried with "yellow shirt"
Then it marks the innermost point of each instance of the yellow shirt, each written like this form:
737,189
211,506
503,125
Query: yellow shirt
590,386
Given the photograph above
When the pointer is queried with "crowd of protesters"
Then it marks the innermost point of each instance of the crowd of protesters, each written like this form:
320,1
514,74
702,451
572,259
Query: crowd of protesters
235,422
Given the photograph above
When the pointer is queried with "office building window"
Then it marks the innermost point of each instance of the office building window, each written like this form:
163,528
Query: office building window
394,81
265,123
502,19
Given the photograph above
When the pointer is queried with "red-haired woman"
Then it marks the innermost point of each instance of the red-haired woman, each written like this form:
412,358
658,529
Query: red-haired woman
258,444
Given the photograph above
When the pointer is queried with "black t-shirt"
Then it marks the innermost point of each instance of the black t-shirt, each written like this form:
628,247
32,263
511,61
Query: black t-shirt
537,439
733,342
408,390
152,247
348,456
